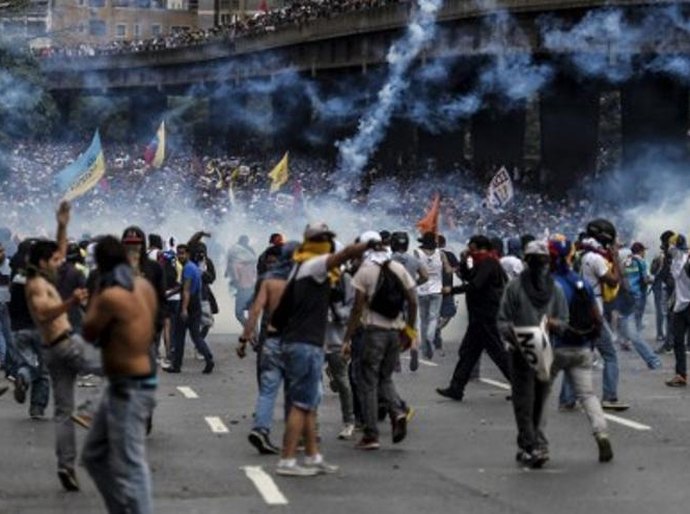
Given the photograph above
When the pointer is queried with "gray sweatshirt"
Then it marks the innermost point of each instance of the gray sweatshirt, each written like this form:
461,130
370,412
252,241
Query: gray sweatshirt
516,309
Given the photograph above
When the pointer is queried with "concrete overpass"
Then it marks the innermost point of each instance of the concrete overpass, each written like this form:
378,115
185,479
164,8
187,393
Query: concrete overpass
653,108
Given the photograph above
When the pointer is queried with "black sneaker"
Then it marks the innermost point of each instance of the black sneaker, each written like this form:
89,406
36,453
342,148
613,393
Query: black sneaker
524,457
414,360
449,393
261,442
539,458
20,388
208,369
399,431
604,445
68,479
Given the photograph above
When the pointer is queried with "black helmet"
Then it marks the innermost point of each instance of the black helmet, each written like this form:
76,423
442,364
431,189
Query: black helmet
400,241
602,230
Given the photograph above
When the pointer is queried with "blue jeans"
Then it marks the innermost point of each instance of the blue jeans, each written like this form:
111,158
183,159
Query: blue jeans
5,332
303,372
640,306
242,299
115,452
25,359
632,333
272,373
429,313
604,344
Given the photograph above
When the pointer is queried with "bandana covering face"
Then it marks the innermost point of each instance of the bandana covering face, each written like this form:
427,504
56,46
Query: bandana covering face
311,249
377,257
480,256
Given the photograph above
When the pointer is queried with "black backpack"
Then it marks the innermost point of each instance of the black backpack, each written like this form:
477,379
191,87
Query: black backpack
389,297
281,315
585,319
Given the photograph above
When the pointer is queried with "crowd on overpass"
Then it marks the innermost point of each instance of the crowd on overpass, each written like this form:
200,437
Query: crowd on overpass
294,13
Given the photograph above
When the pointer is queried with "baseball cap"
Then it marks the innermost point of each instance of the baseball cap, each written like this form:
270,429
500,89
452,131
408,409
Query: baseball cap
537,248
317,229
637,247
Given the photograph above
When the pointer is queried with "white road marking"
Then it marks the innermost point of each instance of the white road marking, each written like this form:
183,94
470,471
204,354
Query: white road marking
187,392
495,383
422,361
266,486
616,419
627,422
216,424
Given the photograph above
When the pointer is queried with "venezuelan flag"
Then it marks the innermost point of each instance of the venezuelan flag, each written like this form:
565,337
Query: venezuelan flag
154,154
84,173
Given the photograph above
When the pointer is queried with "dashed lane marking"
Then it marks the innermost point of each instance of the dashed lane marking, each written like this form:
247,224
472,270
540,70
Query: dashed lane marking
422,361
615,419
216,424
265,485
187,392
495,383
627,422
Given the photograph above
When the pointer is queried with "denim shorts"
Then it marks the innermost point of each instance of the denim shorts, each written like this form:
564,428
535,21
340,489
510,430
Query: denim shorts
303,367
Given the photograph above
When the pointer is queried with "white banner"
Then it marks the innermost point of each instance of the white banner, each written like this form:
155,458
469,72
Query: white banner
534,345
500,189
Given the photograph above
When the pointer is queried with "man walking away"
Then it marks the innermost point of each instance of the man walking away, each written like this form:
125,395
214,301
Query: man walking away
383,289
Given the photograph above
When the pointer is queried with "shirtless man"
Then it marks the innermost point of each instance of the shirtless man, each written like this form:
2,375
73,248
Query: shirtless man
121,317
271,368
64,352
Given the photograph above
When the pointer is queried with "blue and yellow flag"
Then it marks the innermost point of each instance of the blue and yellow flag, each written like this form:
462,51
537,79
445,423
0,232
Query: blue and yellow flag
84,173
154,154
279,174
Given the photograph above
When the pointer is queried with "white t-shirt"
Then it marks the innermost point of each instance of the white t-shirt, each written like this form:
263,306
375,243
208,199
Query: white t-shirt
366,279
595,266
434,265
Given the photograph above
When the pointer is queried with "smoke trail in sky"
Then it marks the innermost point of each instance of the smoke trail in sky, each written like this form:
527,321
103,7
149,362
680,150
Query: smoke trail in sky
356,151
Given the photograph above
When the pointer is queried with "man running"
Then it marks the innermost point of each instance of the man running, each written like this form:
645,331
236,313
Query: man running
121,317
64,351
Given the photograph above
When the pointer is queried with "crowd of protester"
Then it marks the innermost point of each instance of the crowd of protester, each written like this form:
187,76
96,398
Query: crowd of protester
294,13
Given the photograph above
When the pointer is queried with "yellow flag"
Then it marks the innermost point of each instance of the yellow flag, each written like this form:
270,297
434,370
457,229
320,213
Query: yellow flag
279,174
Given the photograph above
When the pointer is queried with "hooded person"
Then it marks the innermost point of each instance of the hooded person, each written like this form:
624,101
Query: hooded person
512,262
532,307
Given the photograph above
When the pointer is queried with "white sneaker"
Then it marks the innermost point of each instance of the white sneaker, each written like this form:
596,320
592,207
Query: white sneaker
296,470
347,432
322,467
198,356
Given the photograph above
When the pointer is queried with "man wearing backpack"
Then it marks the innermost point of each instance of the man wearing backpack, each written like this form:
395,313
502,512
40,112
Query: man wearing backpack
572,350
600,269
382,289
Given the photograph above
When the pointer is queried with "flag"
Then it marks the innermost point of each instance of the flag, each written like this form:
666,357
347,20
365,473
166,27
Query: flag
501,190
429,223
263,6
279,174
154,154
84,173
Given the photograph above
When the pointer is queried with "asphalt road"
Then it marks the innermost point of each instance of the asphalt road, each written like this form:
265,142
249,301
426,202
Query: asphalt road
458,457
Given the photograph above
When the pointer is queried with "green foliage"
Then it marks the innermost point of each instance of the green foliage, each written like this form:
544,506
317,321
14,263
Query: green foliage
27,110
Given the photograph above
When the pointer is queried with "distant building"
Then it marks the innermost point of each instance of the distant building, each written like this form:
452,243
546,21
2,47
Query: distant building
60,22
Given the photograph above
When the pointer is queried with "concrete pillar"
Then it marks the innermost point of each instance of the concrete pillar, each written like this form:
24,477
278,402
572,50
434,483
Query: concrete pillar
227,118
569,118
654,117
64,101
146,111
498,138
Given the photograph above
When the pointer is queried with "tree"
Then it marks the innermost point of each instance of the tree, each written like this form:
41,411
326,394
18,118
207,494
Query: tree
27,110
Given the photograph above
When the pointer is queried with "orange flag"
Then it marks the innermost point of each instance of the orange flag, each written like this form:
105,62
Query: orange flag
429,223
